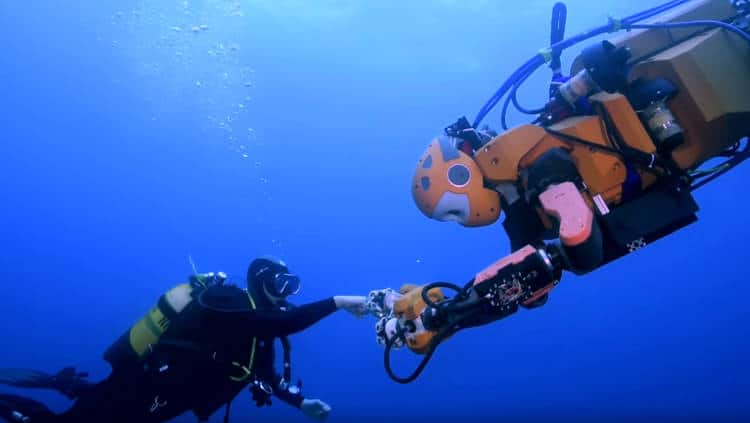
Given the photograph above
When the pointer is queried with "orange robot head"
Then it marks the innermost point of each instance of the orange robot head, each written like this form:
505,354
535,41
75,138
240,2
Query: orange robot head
449,186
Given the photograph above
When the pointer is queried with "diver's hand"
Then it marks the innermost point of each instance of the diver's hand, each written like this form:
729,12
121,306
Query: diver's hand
356,305
315,409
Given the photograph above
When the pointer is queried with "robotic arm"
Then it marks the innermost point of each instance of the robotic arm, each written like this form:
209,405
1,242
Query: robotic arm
422,317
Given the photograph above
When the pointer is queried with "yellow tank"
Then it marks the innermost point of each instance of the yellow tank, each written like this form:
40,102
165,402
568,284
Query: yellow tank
138,341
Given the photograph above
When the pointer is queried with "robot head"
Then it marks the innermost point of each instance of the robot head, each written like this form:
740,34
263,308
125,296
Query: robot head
449,186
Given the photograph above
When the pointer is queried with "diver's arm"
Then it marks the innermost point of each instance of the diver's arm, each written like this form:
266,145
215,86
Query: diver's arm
286,392
274,323
280,388
231,303
278,323
313,408
295,400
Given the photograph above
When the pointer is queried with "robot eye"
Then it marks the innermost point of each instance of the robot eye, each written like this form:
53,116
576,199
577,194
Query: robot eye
459,175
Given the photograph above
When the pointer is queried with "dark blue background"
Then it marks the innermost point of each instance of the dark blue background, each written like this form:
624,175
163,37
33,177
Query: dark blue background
115,169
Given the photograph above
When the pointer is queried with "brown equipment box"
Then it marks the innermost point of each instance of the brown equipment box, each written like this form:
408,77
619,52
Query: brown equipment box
644,43
711,71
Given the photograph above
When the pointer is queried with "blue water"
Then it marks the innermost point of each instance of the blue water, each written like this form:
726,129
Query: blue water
132,138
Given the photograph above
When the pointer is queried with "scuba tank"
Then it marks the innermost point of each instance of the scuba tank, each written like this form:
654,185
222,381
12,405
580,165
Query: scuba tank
136,344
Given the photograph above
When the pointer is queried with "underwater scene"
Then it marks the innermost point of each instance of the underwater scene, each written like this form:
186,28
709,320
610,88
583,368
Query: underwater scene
354,211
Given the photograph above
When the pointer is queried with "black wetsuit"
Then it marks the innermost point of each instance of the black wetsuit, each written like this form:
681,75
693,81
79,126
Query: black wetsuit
219,331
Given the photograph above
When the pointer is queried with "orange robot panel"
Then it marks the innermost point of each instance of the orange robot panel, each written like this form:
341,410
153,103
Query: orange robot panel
499,159
603,171
409,307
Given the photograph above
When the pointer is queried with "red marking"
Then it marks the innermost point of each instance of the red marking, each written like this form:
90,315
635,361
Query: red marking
538,294
495,267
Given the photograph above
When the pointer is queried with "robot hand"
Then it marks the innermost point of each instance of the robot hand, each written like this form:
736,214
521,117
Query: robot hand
421,317
400,316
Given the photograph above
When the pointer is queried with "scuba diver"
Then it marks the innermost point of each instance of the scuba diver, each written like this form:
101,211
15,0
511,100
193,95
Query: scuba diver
202,344
607,166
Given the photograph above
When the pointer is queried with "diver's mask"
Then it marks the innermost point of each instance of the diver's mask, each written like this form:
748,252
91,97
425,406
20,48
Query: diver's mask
283,285
272,277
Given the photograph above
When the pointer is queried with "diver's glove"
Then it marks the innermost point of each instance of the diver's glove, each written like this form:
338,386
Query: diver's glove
354,304
315,409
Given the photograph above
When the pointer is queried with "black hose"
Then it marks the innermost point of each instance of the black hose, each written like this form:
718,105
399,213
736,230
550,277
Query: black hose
447,306
227,411
427,288
557,32
415,374
439,337
728,165
537,61
287,358
687,24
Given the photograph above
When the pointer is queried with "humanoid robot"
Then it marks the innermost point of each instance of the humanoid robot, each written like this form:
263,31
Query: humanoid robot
607,166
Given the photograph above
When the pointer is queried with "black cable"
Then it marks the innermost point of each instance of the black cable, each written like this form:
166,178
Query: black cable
227,411
287,358
504,114
647,160
436,340
731,151
728,165
429,287
415,374
522,109
557,32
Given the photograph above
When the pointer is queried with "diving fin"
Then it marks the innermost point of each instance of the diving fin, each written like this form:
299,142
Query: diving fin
17,409
67,381
25,378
